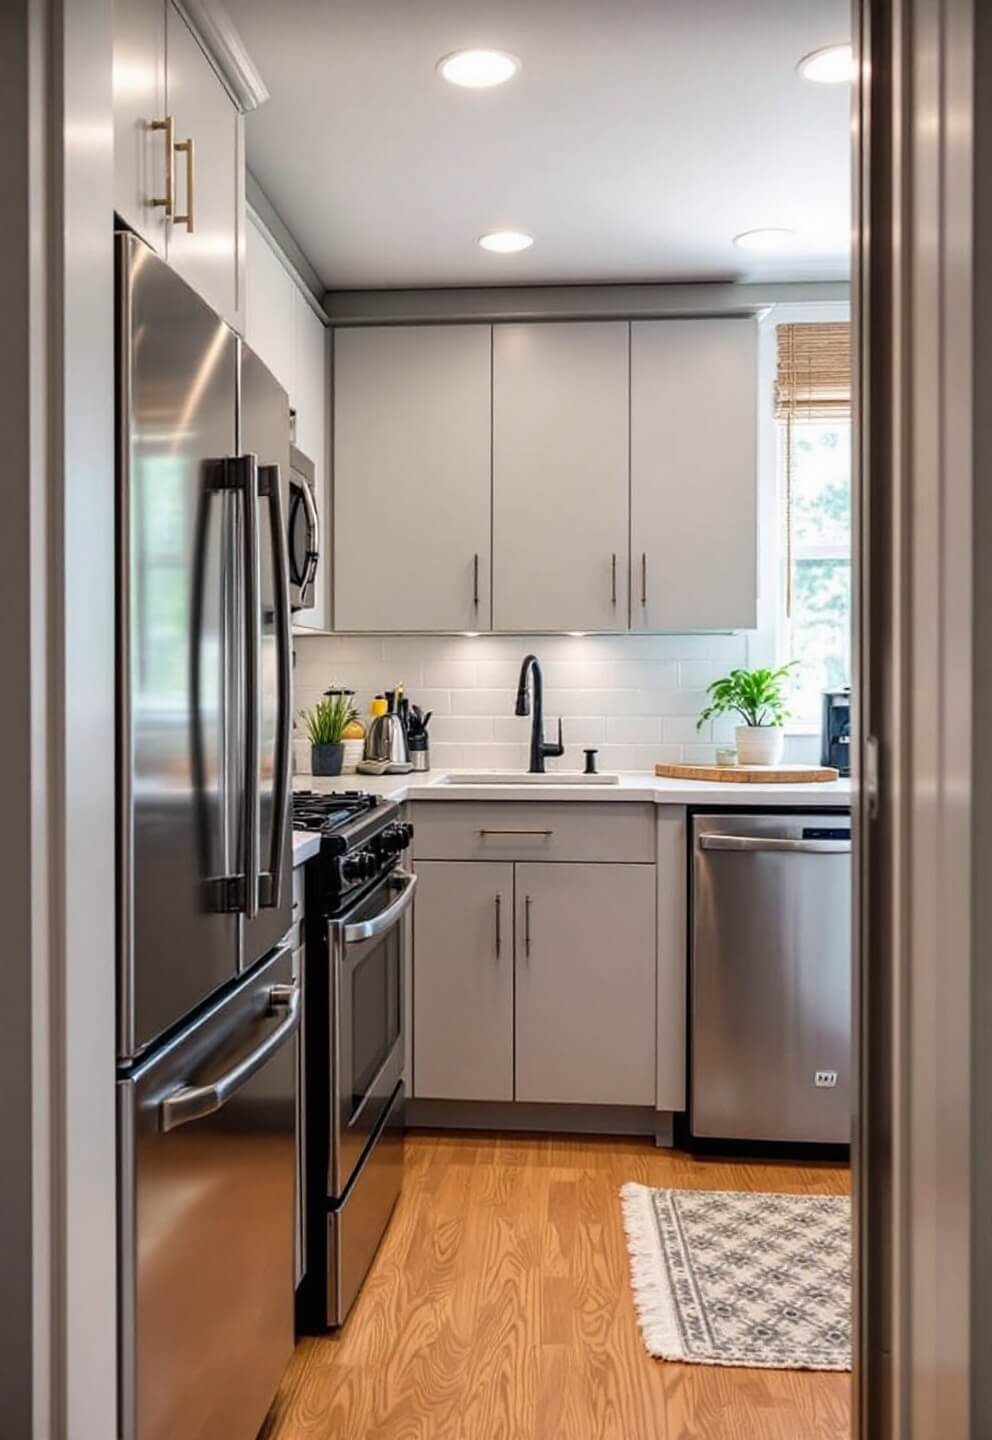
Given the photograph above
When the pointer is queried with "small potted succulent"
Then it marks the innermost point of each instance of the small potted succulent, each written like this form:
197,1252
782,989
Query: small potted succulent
758,697
326,725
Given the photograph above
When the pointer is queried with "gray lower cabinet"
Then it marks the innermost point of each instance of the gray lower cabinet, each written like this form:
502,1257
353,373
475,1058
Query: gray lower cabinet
535,982
585,984
463,981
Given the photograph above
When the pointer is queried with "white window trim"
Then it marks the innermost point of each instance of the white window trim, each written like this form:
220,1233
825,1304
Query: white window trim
766,644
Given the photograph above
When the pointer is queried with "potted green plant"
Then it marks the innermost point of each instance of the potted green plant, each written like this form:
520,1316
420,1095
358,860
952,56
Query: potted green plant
326,724
758,697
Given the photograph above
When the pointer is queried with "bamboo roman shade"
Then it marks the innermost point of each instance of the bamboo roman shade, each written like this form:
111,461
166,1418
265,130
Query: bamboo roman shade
813,381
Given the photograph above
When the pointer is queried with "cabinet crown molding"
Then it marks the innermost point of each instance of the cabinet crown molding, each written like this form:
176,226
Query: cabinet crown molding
219,36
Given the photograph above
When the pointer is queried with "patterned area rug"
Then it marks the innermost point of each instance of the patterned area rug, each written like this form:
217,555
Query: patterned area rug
728,1278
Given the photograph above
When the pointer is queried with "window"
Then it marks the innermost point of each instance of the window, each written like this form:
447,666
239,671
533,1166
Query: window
814,410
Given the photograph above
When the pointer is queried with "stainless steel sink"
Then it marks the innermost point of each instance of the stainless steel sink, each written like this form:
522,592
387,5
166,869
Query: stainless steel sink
525,777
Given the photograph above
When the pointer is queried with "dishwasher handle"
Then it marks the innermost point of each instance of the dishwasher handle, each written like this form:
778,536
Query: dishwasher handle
770,845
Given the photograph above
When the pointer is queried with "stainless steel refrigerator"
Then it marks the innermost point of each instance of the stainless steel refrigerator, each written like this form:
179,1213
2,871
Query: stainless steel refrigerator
208,1006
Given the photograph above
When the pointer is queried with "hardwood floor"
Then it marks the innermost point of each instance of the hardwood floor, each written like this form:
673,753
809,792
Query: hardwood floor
499,1308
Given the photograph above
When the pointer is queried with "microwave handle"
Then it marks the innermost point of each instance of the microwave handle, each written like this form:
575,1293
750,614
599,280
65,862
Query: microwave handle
386,919
313,535
270,882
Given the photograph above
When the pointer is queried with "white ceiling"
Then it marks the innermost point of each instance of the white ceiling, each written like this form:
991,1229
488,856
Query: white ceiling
639,137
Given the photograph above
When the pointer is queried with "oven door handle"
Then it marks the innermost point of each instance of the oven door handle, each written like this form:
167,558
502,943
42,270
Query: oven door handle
386,919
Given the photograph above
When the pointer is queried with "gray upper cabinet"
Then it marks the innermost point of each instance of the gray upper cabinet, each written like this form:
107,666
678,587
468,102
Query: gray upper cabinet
412,478
560,522
178,152
206,237
585,984
693,474
463,981
142,155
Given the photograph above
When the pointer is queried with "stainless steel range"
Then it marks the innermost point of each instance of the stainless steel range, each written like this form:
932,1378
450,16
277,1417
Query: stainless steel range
358,898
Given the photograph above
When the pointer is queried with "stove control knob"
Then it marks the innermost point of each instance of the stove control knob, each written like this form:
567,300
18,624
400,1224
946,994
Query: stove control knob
359,867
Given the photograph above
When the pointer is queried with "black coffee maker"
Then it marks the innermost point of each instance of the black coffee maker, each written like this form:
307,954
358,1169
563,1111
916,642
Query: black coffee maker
835,735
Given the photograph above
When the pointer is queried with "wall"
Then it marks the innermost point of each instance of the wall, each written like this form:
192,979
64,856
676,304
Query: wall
635,697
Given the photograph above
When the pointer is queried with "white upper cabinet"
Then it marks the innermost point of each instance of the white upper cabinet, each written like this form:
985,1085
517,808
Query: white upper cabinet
412,478
206,236
560,484
142,156
693,474
271,299
310,398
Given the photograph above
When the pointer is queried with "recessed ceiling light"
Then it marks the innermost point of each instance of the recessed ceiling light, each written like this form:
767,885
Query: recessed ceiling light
765,241
478,69
506,242
833,65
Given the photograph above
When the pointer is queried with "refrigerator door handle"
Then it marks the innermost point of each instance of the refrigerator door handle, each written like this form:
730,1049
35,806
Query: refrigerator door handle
247,486
270,881
194,1102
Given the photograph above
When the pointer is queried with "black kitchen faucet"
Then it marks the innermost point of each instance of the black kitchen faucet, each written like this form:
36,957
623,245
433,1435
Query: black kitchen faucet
538,746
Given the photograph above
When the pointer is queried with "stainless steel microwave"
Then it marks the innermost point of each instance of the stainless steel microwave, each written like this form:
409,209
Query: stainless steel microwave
304,531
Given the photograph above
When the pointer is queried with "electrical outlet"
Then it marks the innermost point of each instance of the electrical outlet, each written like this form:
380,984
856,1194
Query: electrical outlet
825,1079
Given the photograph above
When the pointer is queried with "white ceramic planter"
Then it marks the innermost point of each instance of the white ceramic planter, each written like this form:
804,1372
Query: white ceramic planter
759,744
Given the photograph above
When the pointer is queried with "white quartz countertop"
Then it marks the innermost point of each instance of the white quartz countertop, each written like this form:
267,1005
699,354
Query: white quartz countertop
633,785
305,845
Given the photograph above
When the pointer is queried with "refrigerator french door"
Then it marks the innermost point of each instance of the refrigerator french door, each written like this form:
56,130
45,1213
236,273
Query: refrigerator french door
204,660
208,1011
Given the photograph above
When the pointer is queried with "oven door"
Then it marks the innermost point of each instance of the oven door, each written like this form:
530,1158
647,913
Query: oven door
367,948
303,532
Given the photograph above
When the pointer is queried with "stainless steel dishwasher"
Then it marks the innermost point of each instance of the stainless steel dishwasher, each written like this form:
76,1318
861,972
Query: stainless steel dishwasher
771,978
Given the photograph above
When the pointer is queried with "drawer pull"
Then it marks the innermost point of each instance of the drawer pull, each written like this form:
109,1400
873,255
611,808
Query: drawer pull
543,833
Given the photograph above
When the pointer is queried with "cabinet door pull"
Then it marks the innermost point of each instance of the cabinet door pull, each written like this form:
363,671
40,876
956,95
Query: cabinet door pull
527,905
644,578
186,148
168,200
499,925
544,833
475,581
613,580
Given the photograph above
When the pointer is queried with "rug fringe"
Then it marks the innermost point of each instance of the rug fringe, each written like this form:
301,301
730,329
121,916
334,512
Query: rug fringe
653,1299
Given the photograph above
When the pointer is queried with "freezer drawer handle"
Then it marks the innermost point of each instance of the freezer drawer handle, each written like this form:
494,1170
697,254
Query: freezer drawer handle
770,845
386,919
194,1102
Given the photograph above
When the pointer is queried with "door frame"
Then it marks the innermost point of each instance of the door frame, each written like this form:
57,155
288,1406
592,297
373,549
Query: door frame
923,610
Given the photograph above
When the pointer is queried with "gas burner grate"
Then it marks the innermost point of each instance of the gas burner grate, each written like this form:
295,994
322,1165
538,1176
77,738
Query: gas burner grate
327,813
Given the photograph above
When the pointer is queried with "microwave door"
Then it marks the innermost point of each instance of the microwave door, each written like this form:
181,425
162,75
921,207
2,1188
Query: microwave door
264,433
176,421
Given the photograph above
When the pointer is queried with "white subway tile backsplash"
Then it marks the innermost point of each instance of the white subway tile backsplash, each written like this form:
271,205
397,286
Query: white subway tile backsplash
633,729
644,674
699,754
482,702
633,697
682,730
697,674
462,729
444,675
